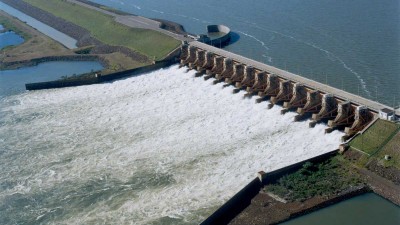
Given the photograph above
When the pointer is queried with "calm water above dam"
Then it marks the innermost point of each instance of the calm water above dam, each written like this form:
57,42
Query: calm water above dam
352,45
367,209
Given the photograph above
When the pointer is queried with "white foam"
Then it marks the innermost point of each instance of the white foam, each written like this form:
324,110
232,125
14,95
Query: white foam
166,123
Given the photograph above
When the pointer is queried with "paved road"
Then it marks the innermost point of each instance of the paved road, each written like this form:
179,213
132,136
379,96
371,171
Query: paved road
375,106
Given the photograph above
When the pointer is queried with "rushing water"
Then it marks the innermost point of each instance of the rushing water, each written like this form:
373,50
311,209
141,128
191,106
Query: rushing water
352,45
13,81
367,209
64,39
161,148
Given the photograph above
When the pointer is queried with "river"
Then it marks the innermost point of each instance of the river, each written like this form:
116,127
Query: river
351,45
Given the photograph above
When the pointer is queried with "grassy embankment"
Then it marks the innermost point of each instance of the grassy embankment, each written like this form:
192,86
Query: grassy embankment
382,138
153,44
322,179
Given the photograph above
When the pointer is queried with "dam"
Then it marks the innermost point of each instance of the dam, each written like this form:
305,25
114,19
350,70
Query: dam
129,149
340,109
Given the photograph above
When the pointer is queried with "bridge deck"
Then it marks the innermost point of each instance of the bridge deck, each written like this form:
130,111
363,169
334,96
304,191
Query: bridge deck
372,105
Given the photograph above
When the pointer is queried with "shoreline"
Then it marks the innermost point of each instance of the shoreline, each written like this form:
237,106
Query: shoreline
113,58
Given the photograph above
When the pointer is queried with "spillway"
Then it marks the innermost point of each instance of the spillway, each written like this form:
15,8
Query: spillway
160,148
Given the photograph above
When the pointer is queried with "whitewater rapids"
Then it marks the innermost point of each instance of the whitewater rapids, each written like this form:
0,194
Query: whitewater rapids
160,148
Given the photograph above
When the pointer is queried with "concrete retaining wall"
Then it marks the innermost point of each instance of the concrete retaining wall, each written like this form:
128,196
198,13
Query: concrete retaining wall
235,205
99,79
220,41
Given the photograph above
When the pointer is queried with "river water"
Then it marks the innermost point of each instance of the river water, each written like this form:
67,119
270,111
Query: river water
351,45
367,209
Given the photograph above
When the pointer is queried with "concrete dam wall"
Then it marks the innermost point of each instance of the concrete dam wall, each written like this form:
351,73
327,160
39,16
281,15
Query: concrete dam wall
310,99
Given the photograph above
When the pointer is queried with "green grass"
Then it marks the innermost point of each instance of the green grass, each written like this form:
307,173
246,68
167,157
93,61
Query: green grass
375,137
153,44
322,179
392,148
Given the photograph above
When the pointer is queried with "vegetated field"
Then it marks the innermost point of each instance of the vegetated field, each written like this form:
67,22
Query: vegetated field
153,44
392,148
329,177
375,137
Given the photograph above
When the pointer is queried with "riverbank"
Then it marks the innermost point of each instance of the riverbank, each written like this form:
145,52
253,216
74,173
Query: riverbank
114,58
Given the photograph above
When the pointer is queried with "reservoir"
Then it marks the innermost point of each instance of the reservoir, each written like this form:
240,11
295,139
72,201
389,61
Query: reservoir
366,209
13,81
64,39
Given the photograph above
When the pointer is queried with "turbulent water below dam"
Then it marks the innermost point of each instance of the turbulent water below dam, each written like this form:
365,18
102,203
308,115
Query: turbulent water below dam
160,148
